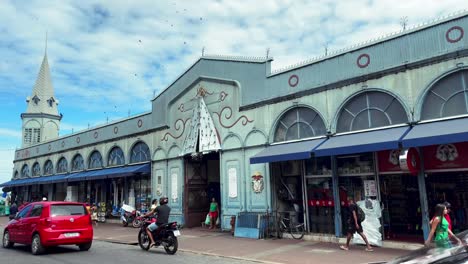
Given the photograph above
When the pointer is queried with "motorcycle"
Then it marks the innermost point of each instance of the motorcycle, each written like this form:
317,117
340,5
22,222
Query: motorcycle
130,216
165,235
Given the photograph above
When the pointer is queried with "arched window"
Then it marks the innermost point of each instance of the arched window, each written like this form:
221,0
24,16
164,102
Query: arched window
140,152
62,165
36,169
25,171
447,97
116,157
77,163
48,168
95,160
370,110
299,122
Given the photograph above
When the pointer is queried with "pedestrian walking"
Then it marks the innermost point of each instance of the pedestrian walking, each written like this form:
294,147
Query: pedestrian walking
354,225
440,229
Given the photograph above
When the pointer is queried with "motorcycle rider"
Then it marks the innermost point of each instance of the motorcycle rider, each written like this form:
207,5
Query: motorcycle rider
162,217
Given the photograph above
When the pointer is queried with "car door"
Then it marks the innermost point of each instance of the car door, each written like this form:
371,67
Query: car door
18,233
30,222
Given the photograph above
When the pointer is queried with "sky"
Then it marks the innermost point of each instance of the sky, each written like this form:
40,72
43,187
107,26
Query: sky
109,58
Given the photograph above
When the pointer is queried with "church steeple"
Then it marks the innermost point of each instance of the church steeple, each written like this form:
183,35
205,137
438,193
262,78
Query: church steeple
41,121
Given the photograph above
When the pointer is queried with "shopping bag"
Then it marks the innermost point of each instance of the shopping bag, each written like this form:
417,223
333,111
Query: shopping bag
217,221
207,220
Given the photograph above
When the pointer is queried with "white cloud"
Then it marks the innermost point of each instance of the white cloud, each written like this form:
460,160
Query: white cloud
5,132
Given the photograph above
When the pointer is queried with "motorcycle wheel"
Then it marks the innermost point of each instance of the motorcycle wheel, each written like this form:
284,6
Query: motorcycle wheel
136,223
124,224
143,240
172,244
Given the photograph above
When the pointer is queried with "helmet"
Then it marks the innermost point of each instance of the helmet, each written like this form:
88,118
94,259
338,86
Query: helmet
163,200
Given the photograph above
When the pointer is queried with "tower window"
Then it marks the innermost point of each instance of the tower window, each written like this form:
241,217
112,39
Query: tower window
27,135
51,101
36,99
37,135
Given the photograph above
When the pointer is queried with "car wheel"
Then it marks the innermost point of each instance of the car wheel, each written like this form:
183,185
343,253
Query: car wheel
6,240
36,245
85,246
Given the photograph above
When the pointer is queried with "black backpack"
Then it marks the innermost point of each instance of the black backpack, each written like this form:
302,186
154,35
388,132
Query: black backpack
360,214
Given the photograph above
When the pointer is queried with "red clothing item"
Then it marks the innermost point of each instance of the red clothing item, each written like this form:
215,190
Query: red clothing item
447,217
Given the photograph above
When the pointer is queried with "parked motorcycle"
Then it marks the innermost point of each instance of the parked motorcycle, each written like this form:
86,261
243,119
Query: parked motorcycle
130,216
165,235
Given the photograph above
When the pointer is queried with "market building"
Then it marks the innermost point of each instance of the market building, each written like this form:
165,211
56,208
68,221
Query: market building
385,122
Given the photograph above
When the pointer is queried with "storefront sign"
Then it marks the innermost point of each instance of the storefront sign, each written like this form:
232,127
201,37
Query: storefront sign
389,160
409,161
232,175
370,188
446,156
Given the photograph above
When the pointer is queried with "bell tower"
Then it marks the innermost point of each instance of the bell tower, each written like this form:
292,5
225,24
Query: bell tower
41,121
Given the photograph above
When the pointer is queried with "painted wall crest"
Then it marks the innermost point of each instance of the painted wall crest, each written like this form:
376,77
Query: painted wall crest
257,182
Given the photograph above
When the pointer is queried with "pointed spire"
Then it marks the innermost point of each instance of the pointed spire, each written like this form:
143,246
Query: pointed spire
43,92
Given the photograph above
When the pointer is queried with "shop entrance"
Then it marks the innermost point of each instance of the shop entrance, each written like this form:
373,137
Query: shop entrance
401,215
202,183
287,179
450,187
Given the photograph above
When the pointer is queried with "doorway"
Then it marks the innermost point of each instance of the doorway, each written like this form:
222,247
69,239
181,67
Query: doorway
401,208
202,183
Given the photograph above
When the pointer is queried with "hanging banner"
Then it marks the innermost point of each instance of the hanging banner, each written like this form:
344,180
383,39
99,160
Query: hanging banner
410,161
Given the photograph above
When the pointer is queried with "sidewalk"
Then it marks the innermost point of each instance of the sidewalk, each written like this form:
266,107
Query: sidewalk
223,244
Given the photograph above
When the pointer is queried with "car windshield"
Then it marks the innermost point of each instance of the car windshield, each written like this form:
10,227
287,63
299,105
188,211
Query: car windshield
432,254
67,209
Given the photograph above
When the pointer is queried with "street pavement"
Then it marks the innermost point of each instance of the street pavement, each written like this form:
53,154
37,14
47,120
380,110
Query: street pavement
202,241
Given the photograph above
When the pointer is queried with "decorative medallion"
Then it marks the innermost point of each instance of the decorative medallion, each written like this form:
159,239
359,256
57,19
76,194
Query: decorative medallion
37,150
447,152
293,80
50,147
78,140
63,144
140,122
257,182
363,60
116,130
96,134
454,34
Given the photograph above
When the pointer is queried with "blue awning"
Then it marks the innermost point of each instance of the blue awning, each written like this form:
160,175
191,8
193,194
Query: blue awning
111,172
52,179
288,151
6,184
441,132
369,141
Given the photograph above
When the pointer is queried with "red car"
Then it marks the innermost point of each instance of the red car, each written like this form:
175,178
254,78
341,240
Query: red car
45,224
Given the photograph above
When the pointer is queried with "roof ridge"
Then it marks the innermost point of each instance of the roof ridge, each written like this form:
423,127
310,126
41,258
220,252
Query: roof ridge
379,39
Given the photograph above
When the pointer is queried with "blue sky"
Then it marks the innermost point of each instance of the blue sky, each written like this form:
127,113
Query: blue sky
108,59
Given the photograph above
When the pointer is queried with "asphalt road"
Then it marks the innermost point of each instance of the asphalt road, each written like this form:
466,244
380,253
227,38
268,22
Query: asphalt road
103,253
